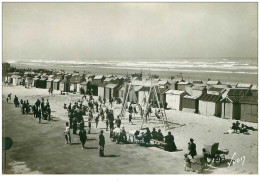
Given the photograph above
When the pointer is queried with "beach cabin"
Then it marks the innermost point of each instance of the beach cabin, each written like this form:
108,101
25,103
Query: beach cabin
210,105
254,90
211,83
164,84
244,85
231,84
35,82
249,106
101,90
143,95
42,83
121,92
93,87
64,85
174,99
190,104
49,84
56,84
16,79
109,80
111,91
197,82
162,95
174,84
99,78
231,108
75,81
84,86
28,82
198,91
183,84
215,91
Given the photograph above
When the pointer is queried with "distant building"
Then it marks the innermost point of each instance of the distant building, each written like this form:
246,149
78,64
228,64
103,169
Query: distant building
182,85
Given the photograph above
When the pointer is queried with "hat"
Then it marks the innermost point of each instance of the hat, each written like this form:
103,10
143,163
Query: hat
191,139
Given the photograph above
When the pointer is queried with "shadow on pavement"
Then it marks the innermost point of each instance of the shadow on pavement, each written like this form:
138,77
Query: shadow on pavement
111,156
75,143
91,147
92,139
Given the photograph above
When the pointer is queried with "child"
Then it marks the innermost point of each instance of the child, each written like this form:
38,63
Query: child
187,165
67,133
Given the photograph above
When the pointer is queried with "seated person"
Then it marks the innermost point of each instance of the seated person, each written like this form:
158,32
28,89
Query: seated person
250,128
123,134
243,129
147,136
159,135
234,127
154,134
170,144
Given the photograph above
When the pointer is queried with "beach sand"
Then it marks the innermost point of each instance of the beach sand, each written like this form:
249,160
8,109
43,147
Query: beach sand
42,148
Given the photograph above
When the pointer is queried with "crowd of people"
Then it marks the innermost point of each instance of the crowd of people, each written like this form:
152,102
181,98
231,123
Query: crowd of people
39,109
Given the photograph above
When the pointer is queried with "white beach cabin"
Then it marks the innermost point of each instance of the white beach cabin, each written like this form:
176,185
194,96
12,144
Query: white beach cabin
174,99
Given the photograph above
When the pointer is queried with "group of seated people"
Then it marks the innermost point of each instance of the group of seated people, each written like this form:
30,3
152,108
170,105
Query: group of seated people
243,129
157,135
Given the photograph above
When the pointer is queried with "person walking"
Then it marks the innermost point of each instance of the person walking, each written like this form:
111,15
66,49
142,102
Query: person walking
130,118
67,133
97,120
83,137
49,113
74,124
40,115
101,144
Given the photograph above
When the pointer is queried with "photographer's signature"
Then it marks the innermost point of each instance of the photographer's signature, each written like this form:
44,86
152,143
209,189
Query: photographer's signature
236,160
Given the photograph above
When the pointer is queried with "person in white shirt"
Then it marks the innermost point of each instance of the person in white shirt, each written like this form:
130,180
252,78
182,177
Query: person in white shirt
67,133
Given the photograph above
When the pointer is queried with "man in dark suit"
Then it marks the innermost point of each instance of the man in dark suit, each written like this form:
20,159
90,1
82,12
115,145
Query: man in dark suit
101,144
83,137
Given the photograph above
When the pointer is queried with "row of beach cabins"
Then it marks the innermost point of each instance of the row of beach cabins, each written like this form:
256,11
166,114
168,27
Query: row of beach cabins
237,101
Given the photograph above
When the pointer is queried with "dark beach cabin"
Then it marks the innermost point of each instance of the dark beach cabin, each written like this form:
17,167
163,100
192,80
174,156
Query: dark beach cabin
231,108
190,104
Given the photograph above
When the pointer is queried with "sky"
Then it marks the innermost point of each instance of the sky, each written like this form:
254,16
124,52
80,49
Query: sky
129,30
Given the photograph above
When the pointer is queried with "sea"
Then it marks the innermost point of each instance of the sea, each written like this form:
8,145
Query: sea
238,70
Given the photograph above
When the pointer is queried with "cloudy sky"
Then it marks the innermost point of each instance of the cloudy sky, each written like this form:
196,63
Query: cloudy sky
129,30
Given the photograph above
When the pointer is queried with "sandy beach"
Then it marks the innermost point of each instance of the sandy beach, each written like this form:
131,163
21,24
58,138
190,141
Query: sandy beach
41,146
